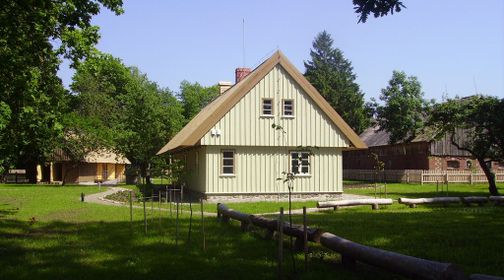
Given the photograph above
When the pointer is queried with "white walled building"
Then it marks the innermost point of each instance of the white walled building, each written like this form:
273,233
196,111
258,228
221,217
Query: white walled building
231,148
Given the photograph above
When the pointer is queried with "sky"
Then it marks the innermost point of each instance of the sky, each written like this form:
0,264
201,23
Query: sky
455,48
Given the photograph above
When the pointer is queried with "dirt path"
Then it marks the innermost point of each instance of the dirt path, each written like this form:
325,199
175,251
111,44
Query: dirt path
99,198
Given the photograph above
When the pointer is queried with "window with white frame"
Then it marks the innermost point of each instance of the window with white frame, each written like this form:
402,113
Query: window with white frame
228,161
267,107
300,163
288,108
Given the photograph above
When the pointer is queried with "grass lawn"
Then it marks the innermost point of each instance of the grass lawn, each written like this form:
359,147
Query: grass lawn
47,233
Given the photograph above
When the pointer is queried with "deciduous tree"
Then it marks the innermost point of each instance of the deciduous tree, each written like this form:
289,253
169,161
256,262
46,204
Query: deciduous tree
195,96
404,109
34,35
474,124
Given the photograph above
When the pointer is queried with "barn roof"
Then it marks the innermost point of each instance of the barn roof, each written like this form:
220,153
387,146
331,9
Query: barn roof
373,136
192,133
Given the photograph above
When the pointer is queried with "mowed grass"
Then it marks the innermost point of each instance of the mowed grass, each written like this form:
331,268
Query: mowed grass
47,233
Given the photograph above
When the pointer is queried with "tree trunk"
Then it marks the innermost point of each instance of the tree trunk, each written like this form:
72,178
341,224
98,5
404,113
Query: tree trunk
145,171
492,187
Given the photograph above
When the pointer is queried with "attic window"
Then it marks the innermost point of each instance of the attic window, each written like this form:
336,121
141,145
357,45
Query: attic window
267,107
288,108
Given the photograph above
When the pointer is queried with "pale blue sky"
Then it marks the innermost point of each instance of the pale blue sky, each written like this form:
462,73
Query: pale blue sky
449,45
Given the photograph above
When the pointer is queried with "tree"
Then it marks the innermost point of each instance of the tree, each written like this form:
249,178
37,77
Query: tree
194,97
378,8
332,75
34,36
404,110
132,114
474,124
149,116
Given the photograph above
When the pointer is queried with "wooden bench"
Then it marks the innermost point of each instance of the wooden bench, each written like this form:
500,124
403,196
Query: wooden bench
412,202
375,203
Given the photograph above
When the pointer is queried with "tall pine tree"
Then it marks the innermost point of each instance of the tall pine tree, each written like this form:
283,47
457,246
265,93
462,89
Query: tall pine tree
332,75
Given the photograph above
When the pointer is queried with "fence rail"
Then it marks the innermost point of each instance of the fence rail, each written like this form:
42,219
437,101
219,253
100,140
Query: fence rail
420,176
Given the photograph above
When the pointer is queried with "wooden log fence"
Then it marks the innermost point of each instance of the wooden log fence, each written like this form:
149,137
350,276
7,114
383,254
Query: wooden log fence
408,266
353,252
498,200
375,203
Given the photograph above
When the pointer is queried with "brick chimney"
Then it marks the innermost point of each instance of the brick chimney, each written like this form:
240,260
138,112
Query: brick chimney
241,73
224,85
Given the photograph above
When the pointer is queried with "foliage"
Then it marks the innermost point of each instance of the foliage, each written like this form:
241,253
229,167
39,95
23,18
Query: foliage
378,8
404,110
332,75
194,97
474,124
132,113
33,37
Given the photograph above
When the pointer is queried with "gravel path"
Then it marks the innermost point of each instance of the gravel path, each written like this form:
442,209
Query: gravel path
99,198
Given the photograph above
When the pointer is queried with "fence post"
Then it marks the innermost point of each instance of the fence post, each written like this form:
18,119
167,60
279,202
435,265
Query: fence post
421,177
471,178
280,243
305,240
145,217
131,206
203,225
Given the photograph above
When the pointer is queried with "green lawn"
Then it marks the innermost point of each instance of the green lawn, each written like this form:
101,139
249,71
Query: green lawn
47,233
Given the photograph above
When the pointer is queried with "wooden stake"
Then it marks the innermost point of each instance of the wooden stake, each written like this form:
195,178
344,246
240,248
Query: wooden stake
145,217
159,208
177,225
305,240
280,243
203,225
190,222
131,206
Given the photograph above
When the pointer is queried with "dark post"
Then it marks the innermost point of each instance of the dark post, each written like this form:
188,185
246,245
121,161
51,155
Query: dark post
203,225
280,243
190,222
145,217
131,206
177,225
159,207
82,197
305,240
152,202
170,198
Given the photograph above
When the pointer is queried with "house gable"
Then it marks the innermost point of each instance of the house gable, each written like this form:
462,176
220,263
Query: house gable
203,122
245,125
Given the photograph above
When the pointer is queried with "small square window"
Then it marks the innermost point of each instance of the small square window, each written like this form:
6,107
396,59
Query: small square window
288,107
300,163
267,107
228,162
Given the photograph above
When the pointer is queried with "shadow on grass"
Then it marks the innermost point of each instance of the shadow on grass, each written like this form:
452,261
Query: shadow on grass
471,237
120,250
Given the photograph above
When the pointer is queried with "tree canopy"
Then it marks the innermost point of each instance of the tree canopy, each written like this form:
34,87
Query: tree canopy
332,75
131,112
378,8
194,97
481,118
404,109
34,36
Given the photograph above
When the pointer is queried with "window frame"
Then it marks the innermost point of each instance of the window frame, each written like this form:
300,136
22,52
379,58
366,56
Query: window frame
272,107
222,165
292,108
300,166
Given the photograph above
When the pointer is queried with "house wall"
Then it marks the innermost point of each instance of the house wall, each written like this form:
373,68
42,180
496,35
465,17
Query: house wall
195,165
400,156
243,125
257,170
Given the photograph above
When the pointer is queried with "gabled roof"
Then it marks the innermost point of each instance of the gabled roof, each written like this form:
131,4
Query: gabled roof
373,136
192,133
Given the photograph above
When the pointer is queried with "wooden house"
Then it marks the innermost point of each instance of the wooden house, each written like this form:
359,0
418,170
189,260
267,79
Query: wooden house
271,121
100,166
424,152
